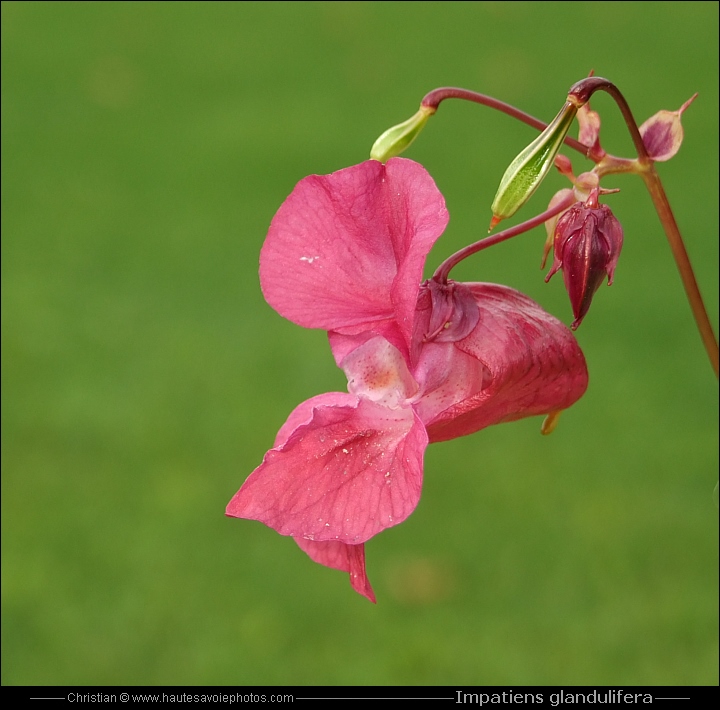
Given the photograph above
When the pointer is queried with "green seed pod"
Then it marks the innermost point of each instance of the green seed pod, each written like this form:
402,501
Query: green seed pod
529,168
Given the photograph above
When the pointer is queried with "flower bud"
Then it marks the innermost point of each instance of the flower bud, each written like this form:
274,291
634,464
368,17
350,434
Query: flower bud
663,133
583,185
588,239
564,166
396,139
527,171
589,134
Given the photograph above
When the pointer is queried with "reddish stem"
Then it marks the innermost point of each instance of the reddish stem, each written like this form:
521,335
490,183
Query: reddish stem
433,99
585,88
682,260
442,272
581,93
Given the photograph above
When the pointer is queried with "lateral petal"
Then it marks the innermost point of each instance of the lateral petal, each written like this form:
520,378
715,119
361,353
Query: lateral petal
346,474
303,413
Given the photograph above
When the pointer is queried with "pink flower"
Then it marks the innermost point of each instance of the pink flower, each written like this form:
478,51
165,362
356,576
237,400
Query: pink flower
425,362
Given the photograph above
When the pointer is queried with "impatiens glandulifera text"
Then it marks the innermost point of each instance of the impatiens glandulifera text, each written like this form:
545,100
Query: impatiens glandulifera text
427,361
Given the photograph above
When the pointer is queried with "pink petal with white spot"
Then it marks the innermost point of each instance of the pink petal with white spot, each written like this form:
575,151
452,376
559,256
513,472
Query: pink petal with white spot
377,371
348,473
346,558
345,340
349,248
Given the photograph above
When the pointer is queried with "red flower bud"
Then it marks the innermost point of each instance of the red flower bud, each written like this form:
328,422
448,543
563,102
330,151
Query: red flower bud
588,239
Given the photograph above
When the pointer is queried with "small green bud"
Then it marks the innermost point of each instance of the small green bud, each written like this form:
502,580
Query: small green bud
396,139
527,171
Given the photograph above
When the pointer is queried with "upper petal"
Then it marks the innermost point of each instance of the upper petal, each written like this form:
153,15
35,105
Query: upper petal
349,248
345,472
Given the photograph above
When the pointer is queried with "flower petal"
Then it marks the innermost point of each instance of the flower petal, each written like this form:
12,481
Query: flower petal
525,362
346,474
346,558
663,133
349,248
303,413
589,122
343,342
377,371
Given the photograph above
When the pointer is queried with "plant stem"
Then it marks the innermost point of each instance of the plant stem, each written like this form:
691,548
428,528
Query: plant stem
585,88
433,99
682,260
581,92
442,272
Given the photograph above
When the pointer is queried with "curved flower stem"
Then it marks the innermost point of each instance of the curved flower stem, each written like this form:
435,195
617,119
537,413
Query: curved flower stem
433,99
581,93
442,272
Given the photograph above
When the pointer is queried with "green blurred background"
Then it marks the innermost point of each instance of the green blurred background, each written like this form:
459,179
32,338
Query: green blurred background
146,146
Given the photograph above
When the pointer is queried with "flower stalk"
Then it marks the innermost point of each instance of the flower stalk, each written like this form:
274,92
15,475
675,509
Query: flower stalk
645,167
434,98
443,271
579,95
684,266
